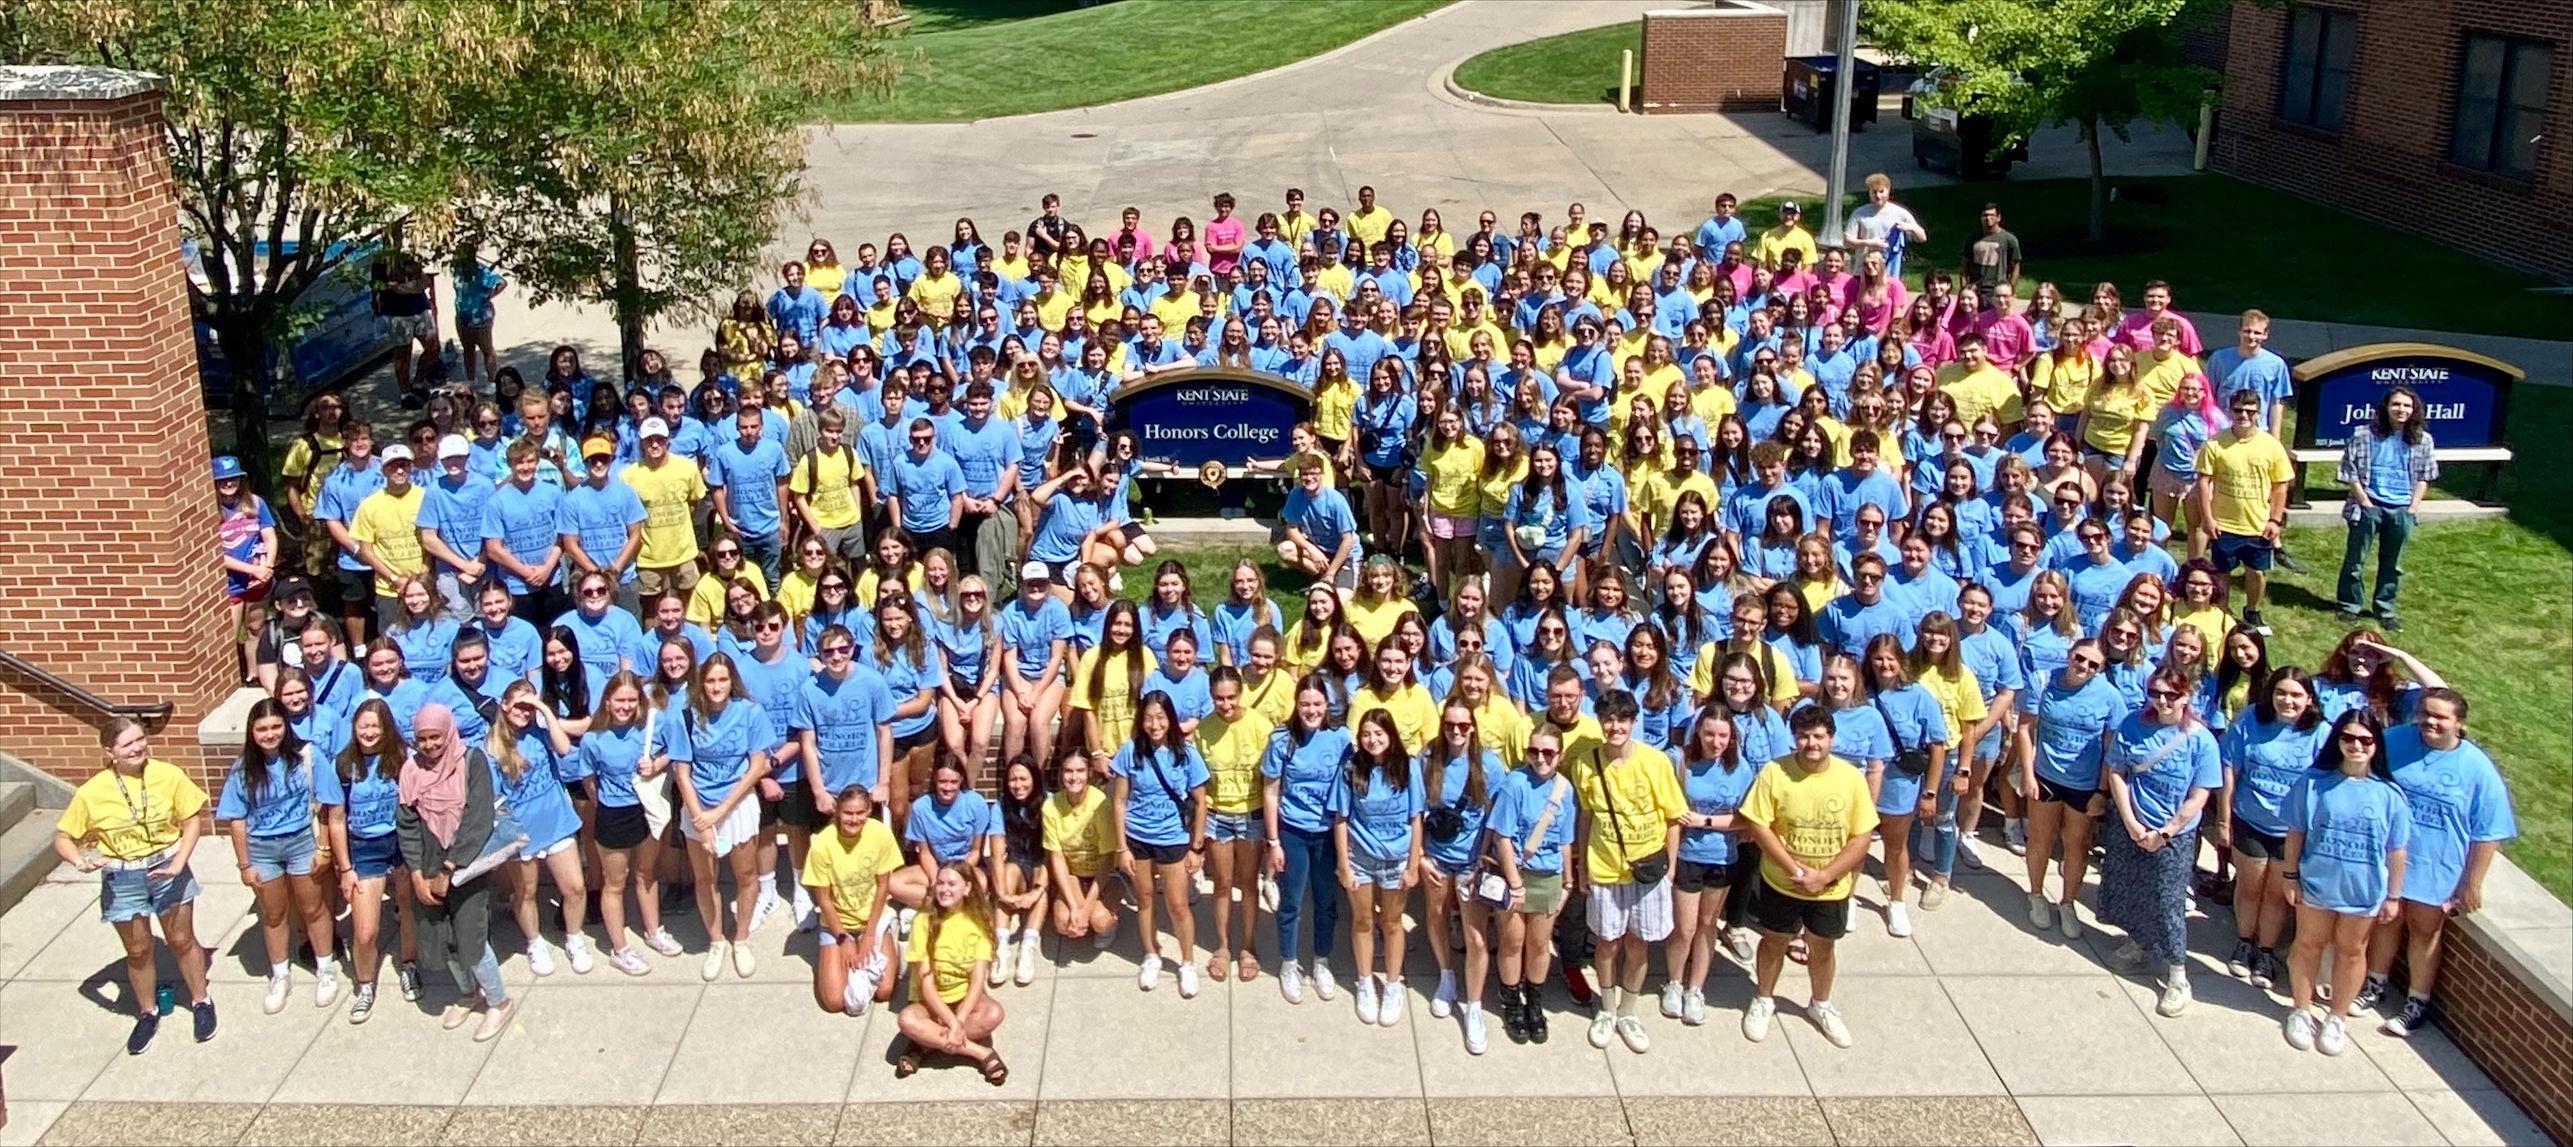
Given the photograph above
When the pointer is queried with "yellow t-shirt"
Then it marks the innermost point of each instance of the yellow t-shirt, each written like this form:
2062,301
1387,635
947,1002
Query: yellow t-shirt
1496,489
1782,238
964,940
1374,622
1644,793
1415,713
2116,414
1503,728
132,818
1082,831
706,598
1336,281
392,526
1232,750
1368,226
1053,309
2213,624
1174,311
937,295
1773,665
1986,391
304,456
827,478
1960,700
2161,377
863,587
1295,658
1274,696
1578,740
2064,385
1455,473
1116,704
851,866
669,492
1335,409
826,278
1815,815
1662,495
2241,471
1712,404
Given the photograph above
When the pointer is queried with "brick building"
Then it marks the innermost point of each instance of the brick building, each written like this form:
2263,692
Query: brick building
2436,116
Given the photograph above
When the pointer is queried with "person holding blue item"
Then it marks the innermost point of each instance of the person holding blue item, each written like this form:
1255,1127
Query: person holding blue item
1159,796
532,763
1376,813
2161,769
2461,814
722,738
266,805
2063,732
2350,833
1302,769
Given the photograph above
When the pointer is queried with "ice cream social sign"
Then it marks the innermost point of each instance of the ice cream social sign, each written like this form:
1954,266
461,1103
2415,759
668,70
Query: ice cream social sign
1220,414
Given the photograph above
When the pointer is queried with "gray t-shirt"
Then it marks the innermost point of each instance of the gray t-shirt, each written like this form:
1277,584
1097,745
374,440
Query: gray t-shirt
1990,257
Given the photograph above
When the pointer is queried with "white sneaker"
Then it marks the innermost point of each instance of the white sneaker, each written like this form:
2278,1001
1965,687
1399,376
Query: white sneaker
805,918
1116,582
1757,1017
1631,1030
1898,920
577,953
712,969
1187,981
1827,1018
629,961
540,958
2016,835
1934,896
2068,921
2302,1030
744,960
1291,983
326,985
1389,1003
1365,995
2041,912
766,906
1603,1025
660,940
1474,1039
2175,998
278,984
1442,1003
1030,946
1323,985
2334,1038
1693,1006
1672,991
1002,960
1149,975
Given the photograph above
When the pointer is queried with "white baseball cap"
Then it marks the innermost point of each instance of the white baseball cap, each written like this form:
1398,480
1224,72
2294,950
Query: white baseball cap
395,453
1035,571
654,428
454,446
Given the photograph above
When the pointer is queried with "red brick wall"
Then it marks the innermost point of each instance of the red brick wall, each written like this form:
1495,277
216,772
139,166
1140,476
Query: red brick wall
2524,1045
2389,163
108,575
1708,63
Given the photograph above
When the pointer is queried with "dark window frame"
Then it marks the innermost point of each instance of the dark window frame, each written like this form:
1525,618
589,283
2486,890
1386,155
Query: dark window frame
2314,75
2495,129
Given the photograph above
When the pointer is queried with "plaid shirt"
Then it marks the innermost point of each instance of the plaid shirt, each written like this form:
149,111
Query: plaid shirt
2359,456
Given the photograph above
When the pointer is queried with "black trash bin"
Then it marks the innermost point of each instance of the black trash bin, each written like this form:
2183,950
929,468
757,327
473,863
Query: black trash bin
1806,93
1960,143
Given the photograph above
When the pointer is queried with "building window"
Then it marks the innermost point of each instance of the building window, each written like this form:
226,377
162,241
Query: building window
2501,105
2316,90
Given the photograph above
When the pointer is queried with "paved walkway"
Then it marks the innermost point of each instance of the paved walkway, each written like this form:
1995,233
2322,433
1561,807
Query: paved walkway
1976,1030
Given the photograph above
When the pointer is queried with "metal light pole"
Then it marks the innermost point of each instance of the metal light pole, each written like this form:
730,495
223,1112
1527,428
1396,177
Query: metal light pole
1844,82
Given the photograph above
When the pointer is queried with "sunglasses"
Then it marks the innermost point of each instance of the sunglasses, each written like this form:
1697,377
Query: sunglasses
1460,724
972,595
2357,738
594,593
1545,754
838,650
2087,662
2164,694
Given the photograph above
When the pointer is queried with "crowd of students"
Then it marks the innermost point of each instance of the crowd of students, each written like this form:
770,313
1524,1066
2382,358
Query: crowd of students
1743,573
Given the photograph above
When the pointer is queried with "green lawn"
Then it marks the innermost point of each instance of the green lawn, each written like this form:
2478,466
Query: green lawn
972,59
1573,68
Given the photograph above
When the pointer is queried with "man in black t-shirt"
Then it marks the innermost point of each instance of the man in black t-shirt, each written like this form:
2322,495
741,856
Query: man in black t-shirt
1991,258
402,284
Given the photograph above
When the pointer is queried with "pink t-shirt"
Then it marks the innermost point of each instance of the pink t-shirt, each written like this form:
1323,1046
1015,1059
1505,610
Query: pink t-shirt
2136,330
1875,317
2007,339
1222,233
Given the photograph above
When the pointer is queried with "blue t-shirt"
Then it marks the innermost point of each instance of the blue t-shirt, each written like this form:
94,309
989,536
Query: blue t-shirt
1232,623
1061,527
1555,523
426,648
526,523
1859,734
1190,695
905,679
924,485
1516,807
516,649
1159,623
982,453
1713,790
951,829
2160,785
1849,624
370,798
1306,774
1844,491
2070,726
599,520
283,806
1763,735
2350,825
1031,634
537,797
774,684
454,509
606,639
1382,818
2264,372
1456,852
1325,518
844,715
2267,758
337,498
610,755
717,752
749,480
2456,798
1155,787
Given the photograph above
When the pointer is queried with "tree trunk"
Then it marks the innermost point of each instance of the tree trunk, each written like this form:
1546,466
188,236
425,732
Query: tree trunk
2099,180
244,341
625,291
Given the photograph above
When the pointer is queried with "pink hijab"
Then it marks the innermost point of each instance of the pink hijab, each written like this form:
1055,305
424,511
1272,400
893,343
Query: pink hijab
435,788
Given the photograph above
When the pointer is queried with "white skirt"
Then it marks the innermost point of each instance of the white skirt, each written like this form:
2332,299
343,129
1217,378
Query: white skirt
731,832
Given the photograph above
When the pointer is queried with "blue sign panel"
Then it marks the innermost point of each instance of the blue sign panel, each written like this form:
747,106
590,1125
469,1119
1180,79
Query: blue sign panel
1224,415
2464,396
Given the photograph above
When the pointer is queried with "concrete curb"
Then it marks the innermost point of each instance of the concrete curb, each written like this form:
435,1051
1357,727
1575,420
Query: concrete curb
1458,93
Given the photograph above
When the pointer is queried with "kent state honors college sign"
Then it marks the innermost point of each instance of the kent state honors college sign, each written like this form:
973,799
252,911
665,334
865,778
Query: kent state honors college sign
1224,414
2464,396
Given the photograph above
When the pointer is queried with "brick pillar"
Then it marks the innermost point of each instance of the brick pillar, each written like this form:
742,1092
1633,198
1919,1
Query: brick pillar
108,569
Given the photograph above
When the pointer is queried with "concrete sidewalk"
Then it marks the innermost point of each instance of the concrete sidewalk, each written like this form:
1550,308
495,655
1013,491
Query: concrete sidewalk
1975,1030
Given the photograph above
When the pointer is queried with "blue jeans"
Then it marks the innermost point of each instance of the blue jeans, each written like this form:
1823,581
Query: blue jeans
484,976
764,552
1312,864
1934,838
2389,527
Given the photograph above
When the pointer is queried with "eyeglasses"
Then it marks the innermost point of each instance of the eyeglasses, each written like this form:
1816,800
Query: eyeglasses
2164,694
766,626
728,552
1871,577
594,592
1550,629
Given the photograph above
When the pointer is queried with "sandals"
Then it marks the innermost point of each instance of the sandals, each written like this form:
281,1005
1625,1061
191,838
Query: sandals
1216,966
1249,968
995,1072
1797,951
908,1063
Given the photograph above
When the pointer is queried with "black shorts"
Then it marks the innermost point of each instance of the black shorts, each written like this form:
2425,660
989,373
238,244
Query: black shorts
795,808
771,812
2233,551
1691,876
1131,530
1157,853
2252,844
620,826
2078,800
942,538
356,590
927,736
1775,911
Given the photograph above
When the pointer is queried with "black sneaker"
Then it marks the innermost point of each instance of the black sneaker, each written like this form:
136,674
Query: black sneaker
2391,624
146,1026
2369,993
409,976
2251,621
2266,971
204,1010
2347,616
2417,1014
2239,964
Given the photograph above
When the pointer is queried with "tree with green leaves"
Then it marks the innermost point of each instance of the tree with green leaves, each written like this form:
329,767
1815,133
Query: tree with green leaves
2099,65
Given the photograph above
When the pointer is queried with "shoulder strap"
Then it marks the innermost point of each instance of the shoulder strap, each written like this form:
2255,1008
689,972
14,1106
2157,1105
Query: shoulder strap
1545,819
1892,730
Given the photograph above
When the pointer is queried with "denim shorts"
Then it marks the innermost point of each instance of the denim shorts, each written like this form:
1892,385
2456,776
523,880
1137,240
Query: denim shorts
1376,871
374,856
1224,826
289,855
131,893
